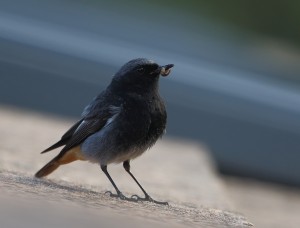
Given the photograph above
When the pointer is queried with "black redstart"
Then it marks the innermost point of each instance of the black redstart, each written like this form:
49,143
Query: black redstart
119,124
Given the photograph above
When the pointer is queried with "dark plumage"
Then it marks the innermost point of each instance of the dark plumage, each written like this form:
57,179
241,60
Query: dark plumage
119,124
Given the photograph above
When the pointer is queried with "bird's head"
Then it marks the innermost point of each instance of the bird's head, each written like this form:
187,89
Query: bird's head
141,74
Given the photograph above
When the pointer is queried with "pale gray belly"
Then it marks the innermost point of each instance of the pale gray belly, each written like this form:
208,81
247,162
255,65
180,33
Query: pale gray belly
102,148
132,153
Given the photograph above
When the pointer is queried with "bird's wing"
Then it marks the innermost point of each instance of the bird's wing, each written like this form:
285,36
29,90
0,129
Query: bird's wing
65,138
86,127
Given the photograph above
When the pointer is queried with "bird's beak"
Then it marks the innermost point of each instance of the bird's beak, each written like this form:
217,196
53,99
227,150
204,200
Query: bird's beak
165,70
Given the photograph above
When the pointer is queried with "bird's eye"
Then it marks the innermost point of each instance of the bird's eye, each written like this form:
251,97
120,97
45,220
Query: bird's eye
140,70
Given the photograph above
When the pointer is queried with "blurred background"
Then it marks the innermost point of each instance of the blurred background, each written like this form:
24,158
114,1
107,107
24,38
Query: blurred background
234,89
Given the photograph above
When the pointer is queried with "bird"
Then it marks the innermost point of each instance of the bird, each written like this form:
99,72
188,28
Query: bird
118,125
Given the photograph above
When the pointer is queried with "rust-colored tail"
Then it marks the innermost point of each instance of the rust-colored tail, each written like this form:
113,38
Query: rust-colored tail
64,157
48,168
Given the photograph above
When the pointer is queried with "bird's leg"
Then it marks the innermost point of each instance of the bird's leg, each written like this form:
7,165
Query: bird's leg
119,193
126,166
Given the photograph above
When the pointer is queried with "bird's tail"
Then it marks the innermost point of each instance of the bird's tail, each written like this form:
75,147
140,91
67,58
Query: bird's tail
48,168
64,157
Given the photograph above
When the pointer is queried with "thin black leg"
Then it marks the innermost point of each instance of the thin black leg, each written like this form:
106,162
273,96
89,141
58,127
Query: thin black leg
119,193
126,166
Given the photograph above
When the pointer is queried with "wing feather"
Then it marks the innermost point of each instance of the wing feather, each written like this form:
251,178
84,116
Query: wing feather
65,138
90,125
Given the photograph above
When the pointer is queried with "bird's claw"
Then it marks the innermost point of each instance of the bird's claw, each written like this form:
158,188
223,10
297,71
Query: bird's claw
135,198
120,196
149,199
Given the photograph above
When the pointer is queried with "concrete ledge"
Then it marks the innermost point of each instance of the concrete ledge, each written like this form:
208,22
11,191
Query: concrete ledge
175,171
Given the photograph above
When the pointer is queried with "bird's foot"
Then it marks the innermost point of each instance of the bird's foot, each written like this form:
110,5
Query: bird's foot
149,199
121,196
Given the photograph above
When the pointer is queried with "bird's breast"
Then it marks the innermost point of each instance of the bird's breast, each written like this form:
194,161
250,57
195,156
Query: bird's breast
136,128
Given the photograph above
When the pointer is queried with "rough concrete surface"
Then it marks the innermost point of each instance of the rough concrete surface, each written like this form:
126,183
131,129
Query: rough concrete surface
267,205
174,171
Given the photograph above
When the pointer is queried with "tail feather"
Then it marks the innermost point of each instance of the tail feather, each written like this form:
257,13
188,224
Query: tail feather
48,168
64,157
